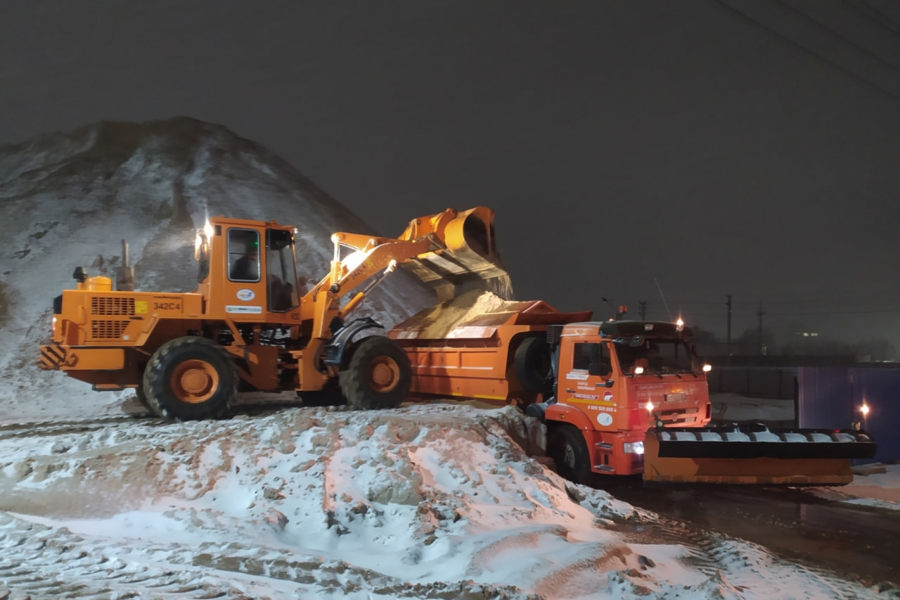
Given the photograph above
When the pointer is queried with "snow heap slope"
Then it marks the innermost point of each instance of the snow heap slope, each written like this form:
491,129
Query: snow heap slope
68,199
425,501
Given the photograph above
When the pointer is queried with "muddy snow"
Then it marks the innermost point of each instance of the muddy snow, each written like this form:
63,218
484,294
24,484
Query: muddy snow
440,500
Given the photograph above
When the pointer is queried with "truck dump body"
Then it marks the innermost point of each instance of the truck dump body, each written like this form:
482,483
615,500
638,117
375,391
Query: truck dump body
466,347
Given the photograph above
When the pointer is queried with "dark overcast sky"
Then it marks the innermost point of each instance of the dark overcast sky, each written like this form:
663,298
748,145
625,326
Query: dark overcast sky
699,147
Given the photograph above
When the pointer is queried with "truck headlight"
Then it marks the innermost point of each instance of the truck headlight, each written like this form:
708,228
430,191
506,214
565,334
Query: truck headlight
633,447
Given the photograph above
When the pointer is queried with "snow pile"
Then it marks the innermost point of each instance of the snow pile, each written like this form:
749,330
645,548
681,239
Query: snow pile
426,501
68,199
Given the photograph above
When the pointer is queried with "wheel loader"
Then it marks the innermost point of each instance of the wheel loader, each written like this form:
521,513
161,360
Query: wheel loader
247,325
619,397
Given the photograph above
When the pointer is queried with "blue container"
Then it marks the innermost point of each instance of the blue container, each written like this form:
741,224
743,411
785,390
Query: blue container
831,397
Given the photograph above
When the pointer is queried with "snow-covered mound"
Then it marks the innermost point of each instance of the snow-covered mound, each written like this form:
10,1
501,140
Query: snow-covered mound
426,501
68,199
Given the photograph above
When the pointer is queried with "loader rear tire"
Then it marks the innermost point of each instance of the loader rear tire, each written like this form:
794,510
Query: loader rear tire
377,376
190,378
532,364
566,446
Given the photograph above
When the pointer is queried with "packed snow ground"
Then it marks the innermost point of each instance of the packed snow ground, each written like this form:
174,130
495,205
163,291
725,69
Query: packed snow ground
441,500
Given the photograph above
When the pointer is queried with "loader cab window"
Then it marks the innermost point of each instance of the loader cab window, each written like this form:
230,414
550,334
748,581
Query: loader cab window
591,358
243,255
281,271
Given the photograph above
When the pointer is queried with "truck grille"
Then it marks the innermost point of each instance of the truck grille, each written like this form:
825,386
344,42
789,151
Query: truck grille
112,305
107,330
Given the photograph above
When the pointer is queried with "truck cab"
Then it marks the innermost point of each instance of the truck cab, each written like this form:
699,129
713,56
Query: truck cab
614,381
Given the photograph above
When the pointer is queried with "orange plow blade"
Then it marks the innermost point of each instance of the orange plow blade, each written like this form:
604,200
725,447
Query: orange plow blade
753,454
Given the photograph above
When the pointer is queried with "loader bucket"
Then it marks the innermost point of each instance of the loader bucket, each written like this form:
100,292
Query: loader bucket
467,257
753,454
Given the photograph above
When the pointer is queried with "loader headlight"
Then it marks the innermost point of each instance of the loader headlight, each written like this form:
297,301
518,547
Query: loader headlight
633,447
649,406
639,370
707,368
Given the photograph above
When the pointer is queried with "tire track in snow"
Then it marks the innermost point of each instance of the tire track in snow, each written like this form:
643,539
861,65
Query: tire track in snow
55,428
45,562
730,560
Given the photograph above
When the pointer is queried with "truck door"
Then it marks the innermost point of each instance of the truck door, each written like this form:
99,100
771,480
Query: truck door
587,384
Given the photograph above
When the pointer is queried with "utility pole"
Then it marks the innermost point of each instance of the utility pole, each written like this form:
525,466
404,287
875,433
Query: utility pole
643,309
759,314
728,325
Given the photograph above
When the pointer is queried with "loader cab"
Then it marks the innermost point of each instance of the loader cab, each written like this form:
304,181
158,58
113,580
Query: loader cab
249,269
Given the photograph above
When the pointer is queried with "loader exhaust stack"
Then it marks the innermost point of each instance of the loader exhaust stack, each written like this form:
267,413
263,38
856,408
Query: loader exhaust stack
125,273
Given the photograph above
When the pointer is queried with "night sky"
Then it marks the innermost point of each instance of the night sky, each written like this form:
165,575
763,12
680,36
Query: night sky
670,152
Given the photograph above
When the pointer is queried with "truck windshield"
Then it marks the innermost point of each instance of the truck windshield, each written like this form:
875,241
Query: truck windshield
657,356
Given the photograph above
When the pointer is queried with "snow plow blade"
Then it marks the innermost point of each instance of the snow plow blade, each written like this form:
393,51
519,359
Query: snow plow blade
753,454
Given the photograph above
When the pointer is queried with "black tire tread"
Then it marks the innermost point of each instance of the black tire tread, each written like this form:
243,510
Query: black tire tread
532,353
353,380
168,355
561,436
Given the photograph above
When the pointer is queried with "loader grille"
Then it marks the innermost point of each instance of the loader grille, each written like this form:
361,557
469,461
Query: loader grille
107,329
112,305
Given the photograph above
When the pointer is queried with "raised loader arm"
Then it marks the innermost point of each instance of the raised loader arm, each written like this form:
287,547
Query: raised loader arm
444,250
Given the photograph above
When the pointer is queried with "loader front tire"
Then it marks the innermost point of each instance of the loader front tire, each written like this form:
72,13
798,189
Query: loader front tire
566,446
377,376
190,378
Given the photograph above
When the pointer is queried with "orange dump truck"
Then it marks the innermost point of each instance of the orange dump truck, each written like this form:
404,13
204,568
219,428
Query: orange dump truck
618,397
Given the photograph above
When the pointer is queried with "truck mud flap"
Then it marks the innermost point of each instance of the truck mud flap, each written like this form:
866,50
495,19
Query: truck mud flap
754,454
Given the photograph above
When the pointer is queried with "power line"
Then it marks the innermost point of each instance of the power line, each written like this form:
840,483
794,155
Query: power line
807,17
809,51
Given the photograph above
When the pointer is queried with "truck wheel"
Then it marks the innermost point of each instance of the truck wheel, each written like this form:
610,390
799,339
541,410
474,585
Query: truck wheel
565,445
378,375
532,364
190,378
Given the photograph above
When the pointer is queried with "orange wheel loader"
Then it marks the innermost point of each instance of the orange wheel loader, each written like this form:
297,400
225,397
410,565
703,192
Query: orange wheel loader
247,324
